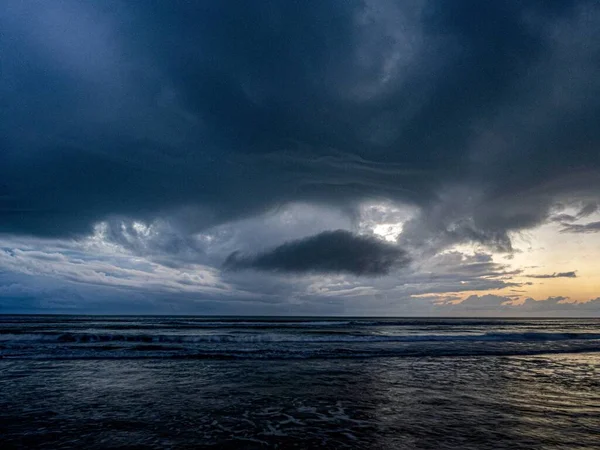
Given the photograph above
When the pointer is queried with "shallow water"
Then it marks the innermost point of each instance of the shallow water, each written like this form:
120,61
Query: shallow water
242,383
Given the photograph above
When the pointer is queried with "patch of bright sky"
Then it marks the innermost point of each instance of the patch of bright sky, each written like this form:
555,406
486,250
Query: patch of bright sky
544,250
384,219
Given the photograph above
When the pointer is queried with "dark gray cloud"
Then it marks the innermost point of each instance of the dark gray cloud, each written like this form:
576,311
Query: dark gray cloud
587,210
329,252
572,274
206,112
566,220
563,218
590,227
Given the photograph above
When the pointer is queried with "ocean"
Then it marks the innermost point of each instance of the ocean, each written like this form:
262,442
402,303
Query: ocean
263,382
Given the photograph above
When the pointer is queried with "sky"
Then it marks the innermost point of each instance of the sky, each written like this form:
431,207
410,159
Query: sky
376,157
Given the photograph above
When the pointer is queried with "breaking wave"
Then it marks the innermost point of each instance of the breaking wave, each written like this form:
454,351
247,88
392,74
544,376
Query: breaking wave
248,338
293,338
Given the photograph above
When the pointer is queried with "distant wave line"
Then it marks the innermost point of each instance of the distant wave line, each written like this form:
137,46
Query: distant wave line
59,337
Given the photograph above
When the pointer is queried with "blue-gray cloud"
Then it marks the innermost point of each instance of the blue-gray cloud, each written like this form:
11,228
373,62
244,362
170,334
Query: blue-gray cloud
571,274
329,252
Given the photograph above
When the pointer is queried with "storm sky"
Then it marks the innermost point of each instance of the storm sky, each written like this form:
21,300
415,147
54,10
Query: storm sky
416,157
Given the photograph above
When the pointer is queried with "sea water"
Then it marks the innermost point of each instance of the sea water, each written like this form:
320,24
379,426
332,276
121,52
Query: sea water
240,382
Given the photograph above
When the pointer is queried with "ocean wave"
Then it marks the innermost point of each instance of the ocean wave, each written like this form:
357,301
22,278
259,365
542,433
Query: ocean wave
150,352
14,325
293,338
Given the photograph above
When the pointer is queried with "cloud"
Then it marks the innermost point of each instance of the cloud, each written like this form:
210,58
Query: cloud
591,227
495,305
178,111
563,218
587,210
479,303
572,274
107,269
100,261
329,252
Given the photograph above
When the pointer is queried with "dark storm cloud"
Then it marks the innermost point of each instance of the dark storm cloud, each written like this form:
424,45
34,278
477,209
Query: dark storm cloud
555,275
481,114
329,252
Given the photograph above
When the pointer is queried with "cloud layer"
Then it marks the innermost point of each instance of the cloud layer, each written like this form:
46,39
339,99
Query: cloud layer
227,110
